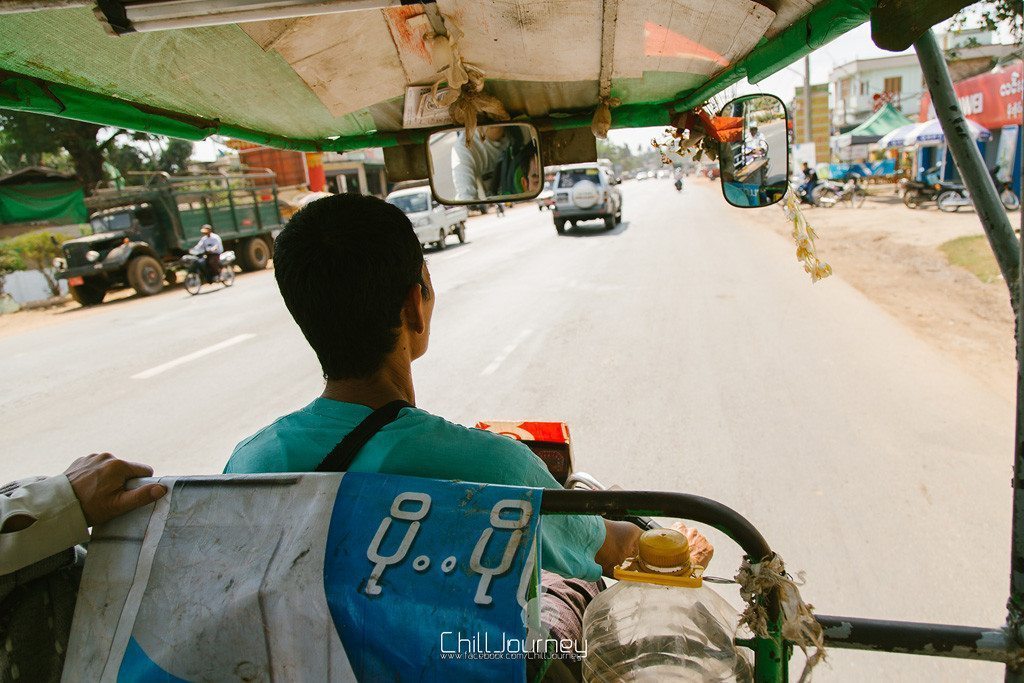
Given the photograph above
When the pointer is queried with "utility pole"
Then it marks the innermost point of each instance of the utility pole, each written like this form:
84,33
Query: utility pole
808,136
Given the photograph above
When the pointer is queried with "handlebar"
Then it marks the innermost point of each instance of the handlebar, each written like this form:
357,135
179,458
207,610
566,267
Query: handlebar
659,504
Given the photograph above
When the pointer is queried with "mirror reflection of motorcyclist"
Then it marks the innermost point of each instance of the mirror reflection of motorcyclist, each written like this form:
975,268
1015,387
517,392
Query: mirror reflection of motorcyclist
755,153
210,247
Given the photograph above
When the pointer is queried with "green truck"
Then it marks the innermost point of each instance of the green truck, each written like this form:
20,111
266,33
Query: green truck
140,233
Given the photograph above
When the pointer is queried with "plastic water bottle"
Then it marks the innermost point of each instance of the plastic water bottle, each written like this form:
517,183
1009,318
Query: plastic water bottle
660,623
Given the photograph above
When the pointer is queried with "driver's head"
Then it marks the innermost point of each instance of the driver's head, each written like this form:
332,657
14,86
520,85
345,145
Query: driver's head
206,229
753,130
351,272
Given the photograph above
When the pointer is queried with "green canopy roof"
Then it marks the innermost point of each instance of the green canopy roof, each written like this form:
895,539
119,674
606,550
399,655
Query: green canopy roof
340,81
887,119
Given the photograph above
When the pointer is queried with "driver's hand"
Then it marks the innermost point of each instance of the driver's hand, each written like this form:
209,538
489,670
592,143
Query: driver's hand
701,550
98,481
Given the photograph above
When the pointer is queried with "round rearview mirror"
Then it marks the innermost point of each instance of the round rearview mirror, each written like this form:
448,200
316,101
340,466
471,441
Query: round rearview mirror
497,163
753,151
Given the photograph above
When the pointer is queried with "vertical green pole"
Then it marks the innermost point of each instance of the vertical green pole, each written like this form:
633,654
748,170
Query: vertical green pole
1008,254
231,205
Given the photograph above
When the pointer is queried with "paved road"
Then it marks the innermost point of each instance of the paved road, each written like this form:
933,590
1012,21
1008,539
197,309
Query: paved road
687,350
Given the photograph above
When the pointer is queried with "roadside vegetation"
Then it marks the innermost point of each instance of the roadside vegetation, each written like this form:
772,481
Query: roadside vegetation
974,254
32,251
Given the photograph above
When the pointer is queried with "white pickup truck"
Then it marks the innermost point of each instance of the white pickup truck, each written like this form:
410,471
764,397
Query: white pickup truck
432,222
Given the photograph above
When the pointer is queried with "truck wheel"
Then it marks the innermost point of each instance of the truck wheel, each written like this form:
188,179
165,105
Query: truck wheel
146,275
90,292
440,240
255,254
461,233
560,226
609,222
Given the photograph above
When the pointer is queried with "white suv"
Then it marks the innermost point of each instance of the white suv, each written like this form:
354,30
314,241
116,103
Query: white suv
585,192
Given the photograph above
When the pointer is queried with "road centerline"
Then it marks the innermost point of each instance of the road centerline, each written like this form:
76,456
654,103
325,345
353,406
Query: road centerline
506,352
153,372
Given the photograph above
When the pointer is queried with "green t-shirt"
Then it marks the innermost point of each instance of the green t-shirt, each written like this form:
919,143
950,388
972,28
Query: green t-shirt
423,445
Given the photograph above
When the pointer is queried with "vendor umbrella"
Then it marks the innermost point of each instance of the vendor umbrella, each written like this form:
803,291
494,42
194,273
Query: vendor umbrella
928,132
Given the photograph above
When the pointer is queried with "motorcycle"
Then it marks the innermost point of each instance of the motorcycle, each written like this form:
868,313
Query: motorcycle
915,192
1007,196
196,274
952,198
831,193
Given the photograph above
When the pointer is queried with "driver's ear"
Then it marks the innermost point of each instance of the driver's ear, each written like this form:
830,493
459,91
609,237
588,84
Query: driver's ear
414,313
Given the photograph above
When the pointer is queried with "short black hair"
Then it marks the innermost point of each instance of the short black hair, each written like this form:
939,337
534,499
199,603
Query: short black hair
344,265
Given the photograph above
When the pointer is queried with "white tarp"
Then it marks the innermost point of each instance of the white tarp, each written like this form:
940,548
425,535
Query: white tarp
305,577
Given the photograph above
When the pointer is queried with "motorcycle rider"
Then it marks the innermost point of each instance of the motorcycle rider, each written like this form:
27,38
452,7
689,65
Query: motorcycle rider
755,148
810,182
210,246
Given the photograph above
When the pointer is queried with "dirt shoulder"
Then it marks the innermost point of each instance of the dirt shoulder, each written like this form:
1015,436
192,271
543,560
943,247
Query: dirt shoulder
892,254
42,316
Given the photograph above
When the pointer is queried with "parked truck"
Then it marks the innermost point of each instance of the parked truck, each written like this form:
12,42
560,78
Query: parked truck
138,234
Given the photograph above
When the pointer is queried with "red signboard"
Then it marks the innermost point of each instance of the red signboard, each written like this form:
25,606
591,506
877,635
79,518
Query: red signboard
991,99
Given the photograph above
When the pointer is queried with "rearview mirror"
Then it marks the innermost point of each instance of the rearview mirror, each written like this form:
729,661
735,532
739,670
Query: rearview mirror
499,163
753,150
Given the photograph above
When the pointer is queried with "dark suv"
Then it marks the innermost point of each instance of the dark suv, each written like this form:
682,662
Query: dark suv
586,192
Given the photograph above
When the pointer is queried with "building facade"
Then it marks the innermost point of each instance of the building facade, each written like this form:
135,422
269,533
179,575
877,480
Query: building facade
861,86
821,126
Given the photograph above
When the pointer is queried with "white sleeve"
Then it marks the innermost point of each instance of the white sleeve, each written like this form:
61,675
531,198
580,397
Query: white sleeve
464,171
59,522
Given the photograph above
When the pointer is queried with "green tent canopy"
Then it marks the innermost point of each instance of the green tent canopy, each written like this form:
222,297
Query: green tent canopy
887,119
41,194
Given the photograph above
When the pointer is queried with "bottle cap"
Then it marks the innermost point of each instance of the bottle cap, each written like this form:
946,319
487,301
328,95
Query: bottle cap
664,549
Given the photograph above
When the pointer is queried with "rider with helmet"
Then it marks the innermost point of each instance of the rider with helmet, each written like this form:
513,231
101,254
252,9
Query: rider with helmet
210,247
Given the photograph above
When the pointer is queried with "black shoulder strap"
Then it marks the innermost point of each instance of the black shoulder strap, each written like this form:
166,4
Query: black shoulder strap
341,456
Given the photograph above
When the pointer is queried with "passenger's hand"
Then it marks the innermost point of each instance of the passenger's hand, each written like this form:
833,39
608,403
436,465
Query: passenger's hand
701,550
98,481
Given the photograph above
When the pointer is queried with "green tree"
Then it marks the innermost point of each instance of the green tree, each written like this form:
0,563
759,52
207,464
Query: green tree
128,159
992,16
27,138
36,251
9,263
175,155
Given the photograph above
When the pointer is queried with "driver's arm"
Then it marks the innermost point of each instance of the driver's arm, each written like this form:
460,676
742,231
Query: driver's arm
464,172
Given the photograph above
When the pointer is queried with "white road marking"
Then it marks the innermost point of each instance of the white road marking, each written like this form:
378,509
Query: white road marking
449,256
506,352
153,372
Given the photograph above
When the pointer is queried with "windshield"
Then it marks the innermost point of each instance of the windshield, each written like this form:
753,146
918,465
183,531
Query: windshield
570,178
112,221
411,203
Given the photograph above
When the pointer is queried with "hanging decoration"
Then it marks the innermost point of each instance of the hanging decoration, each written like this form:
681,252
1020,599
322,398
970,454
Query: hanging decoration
464,96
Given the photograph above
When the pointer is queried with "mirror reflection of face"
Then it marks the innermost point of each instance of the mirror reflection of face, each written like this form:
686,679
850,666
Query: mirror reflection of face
531,182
